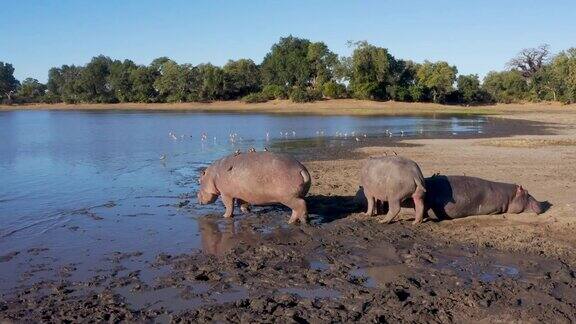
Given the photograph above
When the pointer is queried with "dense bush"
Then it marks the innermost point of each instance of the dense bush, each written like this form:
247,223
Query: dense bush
301,95
333,90
272,91
256,97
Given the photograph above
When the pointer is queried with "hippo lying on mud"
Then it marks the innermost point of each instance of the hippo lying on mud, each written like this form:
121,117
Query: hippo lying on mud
461,196
257,178
392,179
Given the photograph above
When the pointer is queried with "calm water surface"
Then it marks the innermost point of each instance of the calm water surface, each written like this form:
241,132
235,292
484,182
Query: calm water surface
77,186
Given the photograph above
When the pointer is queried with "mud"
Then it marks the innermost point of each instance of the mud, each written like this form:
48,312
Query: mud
256,269
342,267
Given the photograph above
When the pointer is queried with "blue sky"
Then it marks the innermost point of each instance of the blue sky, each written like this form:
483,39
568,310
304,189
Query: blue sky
476,36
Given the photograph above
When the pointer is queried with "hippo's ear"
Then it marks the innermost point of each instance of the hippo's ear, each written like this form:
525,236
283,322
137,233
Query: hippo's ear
520,190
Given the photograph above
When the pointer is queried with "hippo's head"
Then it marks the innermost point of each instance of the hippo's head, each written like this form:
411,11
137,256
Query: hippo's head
207,193
523,201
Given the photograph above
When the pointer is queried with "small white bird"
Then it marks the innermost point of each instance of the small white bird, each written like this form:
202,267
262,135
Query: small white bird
163,157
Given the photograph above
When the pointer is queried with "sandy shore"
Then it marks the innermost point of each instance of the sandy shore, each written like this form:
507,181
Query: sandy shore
325,107
348,267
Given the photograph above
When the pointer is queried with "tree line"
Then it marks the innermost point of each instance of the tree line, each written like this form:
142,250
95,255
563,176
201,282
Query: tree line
303,71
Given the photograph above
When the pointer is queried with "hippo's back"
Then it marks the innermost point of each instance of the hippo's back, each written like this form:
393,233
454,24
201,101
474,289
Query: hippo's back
262,176
389,175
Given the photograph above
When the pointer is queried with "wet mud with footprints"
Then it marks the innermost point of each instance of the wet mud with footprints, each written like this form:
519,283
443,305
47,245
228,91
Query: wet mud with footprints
257,269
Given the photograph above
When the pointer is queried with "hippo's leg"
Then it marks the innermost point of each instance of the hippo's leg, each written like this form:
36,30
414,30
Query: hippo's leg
418,207
393,210
371,203
299,210
244,206
229,204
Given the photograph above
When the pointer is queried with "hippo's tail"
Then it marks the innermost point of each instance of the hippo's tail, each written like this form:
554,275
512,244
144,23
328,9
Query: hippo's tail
419,184
307,180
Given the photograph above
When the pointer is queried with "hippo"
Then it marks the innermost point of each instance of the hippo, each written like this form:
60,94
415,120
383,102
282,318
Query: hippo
392,179
256,178
461,196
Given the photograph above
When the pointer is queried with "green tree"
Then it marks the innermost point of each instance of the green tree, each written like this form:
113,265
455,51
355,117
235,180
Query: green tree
506,86
241,77
142,79
8,83
119,80
322,64
31,90
287,63
370,71
559,79
333,90
437,77
63,84
178,83
469,88
93,81
211,82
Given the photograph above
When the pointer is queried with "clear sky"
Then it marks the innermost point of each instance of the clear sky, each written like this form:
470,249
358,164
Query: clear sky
477,36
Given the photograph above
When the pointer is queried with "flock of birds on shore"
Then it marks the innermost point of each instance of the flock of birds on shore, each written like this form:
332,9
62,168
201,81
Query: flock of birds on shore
234,138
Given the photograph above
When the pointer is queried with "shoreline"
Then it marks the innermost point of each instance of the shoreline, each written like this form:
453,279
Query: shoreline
325,107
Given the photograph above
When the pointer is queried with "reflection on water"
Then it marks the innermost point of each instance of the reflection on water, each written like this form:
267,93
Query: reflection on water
220,235
81,185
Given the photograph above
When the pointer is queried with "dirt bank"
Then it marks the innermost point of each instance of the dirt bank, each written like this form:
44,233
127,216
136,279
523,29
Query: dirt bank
324,107
348,267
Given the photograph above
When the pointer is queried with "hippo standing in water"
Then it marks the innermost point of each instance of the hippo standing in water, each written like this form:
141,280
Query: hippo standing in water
461,196
257,178
392,179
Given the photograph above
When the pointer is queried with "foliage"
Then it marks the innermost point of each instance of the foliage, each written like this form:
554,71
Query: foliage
256,97
437,77
241,78
287,63
333,90
304,95
303,71
506,86
557,81
119,80
273,91
322,64
142,79
8,83
31,91
371,70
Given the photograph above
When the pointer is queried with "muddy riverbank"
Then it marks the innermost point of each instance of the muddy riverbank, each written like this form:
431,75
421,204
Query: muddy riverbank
343,266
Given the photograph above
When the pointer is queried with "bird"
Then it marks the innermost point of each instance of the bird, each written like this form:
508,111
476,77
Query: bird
252,150
163,157
265,149
237,152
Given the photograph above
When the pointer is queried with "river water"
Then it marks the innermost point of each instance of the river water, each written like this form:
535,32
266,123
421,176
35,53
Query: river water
77,186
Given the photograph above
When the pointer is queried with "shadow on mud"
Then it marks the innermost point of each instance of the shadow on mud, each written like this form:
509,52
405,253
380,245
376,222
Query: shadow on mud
331,208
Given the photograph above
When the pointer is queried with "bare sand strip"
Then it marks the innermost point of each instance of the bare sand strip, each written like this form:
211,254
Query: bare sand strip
324,107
